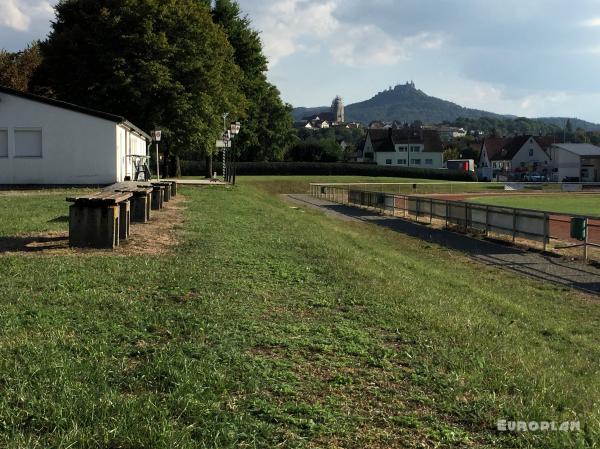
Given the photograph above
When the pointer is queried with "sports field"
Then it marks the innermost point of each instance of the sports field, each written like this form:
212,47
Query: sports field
582,204
270,325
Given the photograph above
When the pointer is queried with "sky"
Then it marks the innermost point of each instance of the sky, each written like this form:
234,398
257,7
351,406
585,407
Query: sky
524,57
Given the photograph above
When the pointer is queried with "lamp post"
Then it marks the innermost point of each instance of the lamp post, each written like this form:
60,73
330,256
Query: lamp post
156,136
235,130
226,136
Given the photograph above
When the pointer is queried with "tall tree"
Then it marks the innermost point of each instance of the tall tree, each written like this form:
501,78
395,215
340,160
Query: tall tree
268,127
158,62
16,69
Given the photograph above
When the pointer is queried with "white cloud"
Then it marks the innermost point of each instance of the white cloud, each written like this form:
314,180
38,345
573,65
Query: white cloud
18,14
11,16
292,26
595,22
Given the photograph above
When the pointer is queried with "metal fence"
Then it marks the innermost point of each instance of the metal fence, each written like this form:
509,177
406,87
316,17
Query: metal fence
525,225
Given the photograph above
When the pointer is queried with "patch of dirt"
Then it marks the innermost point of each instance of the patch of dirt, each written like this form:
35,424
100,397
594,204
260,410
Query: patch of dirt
158,237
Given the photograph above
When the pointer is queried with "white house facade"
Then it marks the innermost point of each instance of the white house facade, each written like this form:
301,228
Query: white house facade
403,148
514,157
49,142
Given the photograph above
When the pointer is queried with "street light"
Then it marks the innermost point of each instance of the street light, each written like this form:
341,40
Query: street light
156,136
235,130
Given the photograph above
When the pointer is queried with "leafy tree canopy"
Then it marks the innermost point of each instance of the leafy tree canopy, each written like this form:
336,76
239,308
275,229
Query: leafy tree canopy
16,69
157,62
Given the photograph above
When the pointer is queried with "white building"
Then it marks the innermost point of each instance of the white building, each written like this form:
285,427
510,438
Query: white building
514,157
49,142
575,161
406,147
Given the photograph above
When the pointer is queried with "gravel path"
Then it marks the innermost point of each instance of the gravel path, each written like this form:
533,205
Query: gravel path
539,266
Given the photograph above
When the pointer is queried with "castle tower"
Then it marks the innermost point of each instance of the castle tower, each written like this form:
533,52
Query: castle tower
337,110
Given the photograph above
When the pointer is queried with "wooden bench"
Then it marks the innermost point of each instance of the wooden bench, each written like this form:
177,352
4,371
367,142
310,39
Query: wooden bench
100,220
158,196
141,202
168,187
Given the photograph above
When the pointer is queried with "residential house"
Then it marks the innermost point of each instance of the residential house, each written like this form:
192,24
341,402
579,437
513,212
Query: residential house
514,157
405,147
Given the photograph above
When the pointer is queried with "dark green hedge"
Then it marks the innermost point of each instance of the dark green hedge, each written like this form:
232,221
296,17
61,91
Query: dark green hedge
197,168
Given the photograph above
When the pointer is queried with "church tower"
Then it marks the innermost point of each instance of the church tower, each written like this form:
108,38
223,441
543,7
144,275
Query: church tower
337,110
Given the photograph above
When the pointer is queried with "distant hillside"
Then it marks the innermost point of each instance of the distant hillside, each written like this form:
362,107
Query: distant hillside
406,103
403,103
577,123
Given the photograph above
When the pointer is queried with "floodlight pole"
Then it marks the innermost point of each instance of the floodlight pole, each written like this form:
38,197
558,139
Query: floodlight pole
225,115
156,136
157,164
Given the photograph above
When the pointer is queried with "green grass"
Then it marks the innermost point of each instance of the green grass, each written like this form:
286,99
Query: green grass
587,204
279,327
29,212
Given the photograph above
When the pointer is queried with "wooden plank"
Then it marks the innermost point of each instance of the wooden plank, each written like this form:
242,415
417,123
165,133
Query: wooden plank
105,198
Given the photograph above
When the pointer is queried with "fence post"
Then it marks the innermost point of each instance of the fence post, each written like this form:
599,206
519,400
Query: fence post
430,211
487,221
514,237
546,231
585,243
447,213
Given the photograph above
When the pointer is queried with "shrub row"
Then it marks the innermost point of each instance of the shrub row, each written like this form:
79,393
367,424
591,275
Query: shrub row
198,168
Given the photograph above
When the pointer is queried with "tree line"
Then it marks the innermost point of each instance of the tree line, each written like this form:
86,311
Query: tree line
176,65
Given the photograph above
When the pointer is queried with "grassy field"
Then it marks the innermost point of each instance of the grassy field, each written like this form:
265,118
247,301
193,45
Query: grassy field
272,326
587,204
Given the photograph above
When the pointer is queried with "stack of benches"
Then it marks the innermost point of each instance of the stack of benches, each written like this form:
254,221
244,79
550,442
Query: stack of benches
103,220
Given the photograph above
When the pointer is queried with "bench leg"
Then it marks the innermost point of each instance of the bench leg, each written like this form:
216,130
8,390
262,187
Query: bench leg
94,227
174,189
167,194
156,199
139,213
148,206
124,220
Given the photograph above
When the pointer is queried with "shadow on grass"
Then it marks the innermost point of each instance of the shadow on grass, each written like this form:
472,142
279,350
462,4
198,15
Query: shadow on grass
64,219
32,244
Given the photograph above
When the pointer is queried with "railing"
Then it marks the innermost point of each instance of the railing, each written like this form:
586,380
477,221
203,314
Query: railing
523,225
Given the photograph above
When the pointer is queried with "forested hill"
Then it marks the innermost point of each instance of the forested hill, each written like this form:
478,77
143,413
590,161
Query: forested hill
403,103
406,103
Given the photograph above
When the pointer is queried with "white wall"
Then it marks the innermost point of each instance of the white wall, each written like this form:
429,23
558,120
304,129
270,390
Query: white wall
128,144
76,148
530,154
567,164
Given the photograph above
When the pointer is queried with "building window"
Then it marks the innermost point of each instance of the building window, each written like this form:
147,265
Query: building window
402,149
415,149
401,161
416,162
531,152
428,161
388,162
28,142
3,143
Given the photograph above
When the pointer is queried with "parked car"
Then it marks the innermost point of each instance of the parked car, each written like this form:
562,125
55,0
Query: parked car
573,179
535,177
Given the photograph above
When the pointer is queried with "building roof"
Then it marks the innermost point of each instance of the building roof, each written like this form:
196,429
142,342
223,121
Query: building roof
73,107
506,148
384,140
580,149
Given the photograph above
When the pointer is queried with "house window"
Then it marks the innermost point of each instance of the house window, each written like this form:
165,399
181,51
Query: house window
388,162
416,162
3,143
401,161
402,149
531,152
428,161
28,142
415,149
